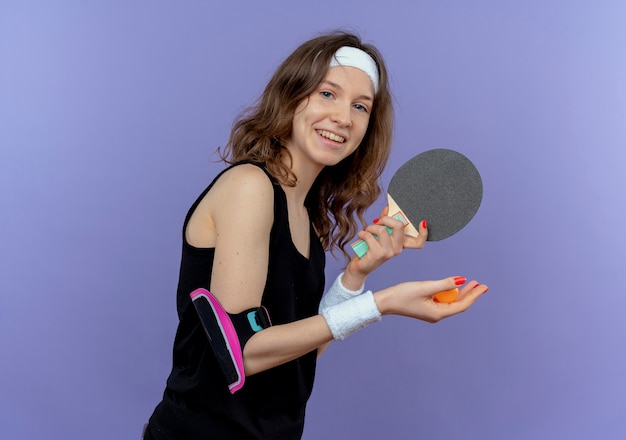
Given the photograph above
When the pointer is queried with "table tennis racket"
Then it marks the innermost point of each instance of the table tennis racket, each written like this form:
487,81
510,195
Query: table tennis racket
440,186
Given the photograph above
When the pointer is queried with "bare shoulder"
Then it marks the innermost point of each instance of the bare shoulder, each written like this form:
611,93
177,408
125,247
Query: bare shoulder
243,184
242,198
246,177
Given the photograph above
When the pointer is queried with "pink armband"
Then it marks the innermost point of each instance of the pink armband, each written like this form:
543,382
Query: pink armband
228,333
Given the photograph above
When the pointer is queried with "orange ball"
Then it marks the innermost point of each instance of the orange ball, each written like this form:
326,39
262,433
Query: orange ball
447,296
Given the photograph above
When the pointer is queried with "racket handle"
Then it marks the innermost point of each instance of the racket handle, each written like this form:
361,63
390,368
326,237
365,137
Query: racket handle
360,247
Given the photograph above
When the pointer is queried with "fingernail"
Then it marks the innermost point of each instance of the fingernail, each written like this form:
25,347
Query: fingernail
459,280
477,284
424,224
376,220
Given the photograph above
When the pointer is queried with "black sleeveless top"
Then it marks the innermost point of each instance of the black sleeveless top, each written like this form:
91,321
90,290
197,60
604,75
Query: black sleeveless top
271,405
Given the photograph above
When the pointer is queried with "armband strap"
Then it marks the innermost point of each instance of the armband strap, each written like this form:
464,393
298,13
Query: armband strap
228,334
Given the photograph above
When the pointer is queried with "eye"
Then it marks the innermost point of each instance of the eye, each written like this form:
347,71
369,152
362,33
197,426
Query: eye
326,94
361,108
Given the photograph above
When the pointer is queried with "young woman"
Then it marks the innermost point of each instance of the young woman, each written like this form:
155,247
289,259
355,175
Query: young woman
305,163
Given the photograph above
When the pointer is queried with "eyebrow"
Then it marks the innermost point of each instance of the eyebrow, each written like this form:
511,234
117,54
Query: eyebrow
337,86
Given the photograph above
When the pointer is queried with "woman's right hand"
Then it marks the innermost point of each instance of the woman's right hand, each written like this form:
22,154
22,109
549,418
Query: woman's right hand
415,299
382,246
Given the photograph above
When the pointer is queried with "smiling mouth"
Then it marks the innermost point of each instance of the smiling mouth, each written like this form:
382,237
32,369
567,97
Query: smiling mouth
331,136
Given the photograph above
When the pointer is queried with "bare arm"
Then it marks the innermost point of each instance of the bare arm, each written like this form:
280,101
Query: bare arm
242,211
283,343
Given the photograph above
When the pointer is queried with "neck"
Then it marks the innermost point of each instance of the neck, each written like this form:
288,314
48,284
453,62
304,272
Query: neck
306,175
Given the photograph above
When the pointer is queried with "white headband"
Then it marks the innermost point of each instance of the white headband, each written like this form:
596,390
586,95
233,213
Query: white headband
354,57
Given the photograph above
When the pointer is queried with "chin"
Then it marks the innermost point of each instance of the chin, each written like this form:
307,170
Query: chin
331,161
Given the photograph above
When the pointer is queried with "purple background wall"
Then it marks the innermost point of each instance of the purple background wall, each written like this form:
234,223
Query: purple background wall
110,112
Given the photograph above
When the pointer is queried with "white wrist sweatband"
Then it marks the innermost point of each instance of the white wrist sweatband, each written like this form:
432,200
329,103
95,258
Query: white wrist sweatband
352,315
337,293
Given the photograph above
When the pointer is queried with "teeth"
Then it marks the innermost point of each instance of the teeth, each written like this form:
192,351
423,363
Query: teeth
331,136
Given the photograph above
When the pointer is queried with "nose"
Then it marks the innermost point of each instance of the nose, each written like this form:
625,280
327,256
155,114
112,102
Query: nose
342,115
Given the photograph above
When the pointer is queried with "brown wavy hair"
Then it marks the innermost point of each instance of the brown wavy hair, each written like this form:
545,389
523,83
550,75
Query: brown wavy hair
341,193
